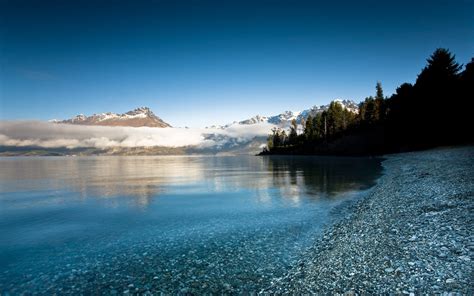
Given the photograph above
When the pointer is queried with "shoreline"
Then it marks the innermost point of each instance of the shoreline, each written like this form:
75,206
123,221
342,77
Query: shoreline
411,234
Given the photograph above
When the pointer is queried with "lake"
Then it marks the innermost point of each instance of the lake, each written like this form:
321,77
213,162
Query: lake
177,224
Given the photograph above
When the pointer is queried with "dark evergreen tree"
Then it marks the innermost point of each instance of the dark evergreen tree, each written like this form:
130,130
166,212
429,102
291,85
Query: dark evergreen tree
379,91
324,117
436,110
276,138
373,110
380,109
335,118
467,76
466,98
318,125
308,130
434,89
442,70
368,111
348,119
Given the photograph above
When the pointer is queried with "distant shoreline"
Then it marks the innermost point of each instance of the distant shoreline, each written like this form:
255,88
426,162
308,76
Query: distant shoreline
412,234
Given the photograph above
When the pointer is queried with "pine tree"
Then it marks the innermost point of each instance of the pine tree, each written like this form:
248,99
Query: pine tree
467,83
308,130
335,118
442,68
325,122
466,100
379,91
276,137
435,86
318,126
379,102
348,119
369,114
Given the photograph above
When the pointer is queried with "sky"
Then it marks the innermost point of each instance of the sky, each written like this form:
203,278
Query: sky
199,63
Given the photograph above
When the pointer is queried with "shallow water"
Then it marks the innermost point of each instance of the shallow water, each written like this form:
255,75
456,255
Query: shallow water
107,225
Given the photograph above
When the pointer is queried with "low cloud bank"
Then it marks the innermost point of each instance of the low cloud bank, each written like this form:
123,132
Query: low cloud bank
53,135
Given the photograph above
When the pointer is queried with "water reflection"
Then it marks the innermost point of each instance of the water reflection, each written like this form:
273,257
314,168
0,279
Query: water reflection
201,219
322,176
139,177
145,178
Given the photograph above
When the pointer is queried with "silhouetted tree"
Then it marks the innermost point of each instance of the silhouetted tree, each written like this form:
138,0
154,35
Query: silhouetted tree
380,109
442,70
368,111
349,119
466,98
335,118
467,75
434,89
436,110
318,124
308,129
276,142
379,91
373,109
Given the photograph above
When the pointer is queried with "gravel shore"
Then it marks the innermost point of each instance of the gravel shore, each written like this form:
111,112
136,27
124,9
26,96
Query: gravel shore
412,234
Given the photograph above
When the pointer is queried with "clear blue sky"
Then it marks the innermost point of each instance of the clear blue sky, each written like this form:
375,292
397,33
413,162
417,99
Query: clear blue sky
196,63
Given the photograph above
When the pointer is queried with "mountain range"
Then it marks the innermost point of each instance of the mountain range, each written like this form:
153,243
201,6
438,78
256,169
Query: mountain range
284,119
142,116
239,137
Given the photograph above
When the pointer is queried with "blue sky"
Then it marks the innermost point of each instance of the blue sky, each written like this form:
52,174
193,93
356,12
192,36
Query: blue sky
197,63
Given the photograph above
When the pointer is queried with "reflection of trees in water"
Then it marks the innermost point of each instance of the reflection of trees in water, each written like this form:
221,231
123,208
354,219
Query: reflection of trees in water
324,175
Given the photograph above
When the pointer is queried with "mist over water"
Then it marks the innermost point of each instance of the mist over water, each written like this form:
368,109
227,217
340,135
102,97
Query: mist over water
172,223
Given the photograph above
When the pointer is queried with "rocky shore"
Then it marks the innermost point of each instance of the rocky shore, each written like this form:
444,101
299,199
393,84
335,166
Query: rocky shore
412,234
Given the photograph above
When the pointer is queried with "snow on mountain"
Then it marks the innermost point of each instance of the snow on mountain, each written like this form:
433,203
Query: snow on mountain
284,119
239,137
142,116
346,104
255,119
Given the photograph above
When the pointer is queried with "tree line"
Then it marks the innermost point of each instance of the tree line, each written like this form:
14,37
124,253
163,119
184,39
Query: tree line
434,111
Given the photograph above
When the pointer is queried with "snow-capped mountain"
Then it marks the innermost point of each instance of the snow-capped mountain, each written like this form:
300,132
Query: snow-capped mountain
346,104
284,119
255,119
246,136
142,116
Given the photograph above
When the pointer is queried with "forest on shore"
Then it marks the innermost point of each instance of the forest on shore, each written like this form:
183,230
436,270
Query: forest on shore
435,111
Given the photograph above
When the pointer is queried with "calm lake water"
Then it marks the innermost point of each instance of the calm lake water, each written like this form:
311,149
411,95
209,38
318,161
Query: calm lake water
108,225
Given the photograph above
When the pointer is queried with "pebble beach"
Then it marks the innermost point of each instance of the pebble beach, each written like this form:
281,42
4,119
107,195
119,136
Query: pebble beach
412,234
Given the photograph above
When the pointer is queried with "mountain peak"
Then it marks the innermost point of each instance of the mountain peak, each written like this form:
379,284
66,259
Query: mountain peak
256,119
285,118
142,116
145,110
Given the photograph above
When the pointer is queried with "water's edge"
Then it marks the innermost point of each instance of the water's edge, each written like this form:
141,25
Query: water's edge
411,233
